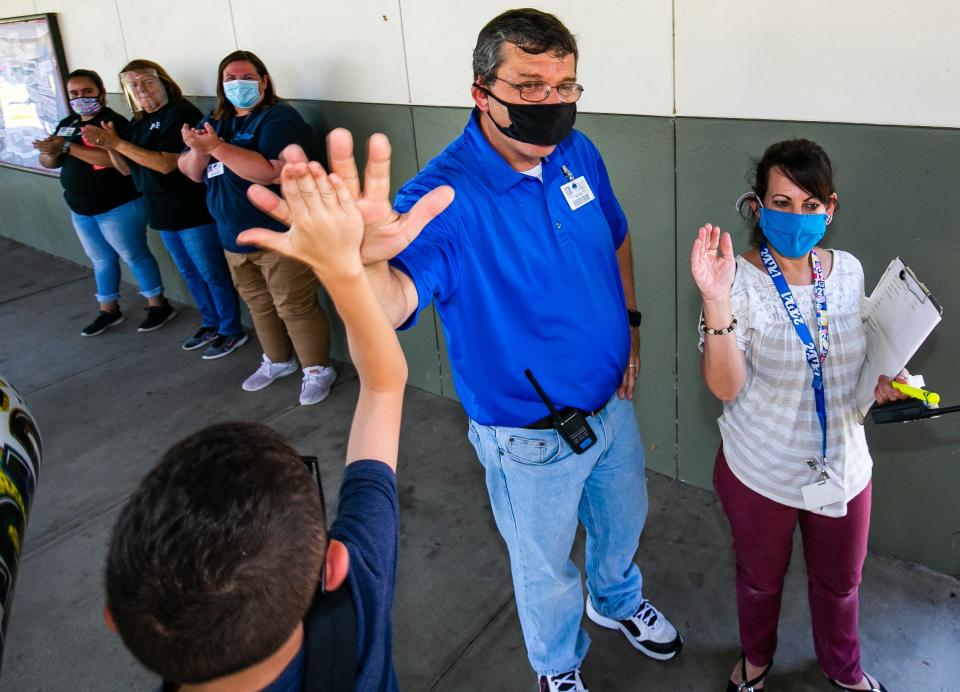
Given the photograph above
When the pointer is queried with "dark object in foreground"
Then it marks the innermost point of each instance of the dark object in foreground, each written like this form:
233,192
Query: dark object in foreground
20,457
908,410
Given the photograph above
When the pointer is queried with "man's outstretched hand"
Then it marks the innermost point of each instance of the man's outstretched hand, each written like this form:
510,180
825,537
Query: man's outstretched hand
385,232
326,228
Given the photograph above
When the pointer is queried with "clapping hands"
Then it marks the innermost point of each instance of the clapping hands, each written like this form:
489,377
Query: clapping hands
202,140
104,137
49,146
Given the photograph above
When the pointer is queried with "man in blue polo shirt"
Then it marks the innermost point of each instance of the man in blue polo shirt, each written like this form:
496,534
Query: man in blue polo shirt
530,269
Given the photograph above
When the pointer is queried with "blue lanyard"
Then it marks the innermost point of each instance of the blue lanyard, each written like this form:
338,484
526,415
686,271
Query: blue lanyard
815,357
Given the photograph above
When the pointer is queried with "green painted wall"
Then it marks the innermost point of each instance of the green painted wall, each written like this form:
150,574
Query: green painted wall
671,175
897,188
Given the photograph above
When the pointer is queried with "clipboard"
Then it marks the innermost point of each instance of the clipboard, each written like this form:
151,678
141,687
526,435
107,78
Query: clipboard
898,317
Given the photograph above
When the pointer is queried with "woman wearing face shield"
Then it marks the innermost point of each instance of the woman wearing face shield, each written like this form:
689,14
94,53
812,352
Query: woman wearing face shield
237,145
783,343
108,214
176,206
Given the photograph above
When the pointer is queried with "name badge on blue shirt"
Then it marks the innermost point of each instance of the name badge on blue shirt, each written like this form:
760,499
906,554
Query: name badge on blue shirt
577,193
215,169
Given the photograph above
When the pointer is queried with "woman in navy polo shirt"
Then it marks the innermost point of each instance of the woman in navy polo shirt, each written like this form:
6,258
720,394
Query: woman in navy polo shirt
176,206
107,212
237,145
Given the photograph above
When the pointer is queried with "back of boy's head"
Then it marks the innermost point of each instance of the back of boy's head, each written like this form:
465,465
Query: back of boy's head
216,557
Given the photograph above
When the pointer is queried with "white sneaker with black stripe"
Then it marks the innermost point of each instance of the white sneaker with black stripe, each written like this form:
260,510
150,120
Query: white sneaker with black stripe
647,630
564,682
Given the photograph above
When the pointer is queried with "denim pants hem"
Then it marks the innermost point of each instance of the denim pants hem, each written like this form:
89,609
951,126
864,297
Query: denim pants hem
107,299
539,492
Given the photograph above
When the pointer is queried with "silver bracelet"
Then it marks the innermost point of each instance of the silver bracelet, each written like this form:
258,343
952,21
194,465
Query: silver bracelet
718,332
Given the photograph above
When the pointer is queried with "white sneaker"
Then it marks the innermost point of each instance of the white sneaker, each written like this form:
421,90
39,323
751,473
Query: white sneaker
268,372
565,682
317,381
647,630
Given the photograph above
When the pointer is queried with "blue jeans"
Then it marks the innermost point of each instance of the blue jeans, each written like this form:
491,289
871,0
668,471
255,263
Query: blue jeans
198,254
538,490
119,233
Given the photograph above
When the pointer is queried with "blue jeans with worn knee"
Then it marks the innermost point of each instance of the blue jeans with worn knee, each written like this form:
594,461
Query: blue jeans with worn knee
120,233
198,254
539,489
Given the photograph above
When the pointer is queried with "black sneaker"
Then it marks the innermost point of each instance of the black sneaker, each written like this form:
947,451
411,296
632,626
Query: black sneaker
157,316
224,345
104,321
203,337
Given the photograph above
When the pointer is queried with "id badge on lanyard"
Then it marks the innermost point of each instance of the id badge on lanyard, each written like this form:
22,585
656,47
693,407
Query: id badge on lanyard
576,191
828,489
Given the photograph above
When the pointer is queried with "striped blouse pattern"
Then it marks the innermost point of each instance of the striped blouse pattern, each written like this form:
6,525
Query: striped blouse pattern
771,428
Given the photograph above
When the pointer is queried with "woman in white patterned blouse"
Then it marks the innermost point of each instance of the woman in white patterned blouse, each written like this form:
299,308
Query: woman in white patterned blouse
783,342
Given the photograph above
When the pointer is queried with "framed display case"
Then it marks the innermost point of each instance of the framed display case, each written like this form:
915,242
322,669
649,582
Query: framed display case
32,88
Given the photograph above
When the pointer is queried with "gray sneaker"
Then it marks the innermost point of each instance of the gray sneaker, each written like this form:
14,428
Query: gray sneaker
203,337
268,372
317,381
224,345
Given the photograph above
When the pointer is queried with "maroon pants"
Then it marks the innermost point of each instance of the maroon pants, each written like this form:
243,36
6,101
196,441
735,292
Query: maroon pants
834,549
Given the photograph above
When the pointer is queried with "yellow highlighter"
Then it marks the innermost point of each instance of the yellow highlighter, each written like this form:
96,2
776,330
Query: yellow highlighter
929,398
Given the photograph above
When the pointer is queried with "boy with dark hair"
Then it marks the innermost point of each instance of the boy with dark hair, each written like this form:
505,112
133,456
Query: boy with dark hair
221,574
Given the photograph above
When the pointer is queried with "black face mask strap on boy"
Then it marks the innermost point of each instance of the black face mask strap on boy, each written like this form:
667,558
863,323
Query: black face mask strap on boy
533,123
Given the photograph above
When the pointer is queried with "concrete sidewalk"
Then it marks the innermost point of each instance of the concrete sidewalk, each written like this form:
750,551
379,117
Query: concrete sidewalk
108,406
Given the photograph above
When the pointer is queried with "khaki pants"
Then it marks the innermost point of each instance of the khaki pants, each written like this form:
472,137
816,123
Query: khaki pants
282,297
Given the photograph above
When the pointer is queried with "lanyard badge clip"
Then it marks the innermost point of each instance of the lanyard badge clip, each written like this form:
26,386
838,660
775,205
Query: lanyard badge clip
826,490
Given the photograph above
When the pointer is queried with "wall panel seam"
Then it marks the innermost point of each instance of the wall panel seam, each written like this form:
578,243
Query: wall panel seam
406,66
673,63
676,306
233,25
123,36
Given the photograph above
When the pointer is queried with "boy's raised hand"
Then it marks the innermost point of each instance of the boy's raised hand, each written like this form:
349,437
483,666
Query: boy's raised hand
326,228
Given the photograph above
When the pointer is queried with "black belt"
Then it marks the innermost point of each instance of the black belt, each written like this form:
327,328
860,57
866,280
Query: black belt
546,423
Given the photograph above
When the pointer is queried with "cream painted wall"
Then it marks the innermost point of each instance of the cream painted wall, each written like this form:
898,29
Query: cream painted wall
334,51
858,61
91,35
187,42
626,50
17,8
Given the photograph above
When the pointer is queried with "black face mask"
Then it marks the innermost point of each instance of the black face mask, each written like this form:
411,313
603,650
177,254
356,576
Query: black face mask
531,123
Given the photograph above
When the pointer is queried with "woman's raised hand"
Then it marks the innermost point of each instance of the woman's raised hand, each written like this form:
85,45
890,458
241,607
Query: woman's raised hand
713,272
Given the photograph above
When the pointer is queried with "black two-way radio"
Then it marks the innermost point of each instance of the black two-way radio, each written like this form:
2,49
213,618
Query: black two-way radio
569,422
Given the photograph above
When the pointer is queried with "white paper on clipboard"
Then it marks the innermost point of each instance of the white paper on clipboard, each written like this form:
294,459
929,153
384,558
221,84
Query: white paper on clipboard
899,315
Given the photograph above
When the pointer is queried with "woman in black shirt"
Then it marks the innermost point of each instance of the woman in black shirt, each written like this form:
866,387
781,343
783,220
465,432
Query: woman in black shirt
176,206
106,209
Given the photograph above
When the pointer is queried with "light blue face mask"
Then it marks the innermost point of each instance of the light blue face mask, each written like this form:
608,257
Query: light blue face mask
242,93
792,235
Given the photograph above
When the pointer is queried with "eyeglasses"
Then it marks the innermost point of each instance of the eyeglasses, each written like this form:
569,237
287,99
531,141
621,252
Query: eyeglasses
313,466
535,92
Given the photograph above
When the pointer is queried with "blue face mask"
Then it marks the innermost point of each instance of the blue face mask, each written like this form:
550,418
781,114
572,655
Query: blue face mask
242,93
792,235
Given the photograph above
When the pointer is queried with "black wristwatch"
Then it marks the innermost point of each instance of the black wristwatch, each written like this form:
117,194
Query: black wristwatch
634,317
